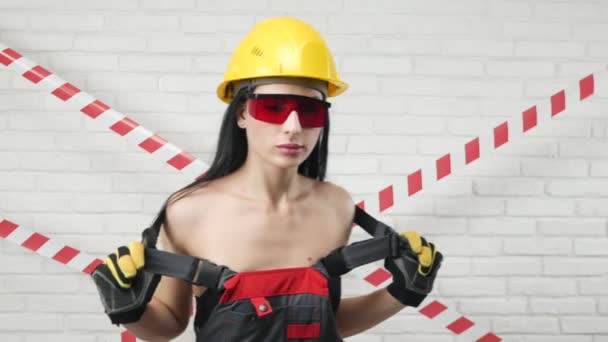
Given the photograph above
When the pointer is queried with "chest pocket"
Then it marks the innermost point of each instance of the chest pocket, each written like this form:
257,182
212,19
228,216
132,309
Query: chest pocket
279,305
283,318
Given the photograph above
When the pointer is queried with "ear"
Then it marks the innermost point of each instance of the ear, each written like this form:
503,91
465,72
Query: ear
241,117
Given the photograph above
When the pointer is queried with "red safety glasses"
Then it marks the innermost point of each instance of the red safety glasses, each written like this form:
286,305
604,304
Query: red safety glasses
275,108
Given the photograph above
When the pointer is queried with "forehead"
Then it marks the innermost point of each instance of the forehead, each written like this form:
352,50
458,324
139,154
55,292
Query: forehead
280,88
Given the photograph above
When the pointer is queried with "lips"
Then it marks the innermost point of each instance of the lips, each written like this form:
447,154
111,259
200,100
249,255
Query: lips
290,146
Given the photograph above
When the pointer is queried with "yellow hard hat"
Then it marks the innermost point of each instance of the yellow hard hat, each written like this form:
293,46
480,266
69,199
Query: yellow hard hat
281,47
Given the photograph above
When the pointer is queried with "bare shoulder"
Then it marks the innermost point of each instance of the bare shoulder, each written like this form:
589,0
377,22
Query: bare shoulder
341,200
182,215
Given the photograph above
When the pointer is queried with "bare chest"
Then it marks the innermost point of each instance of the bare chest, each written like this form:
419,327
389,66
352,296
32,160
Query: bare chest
245,238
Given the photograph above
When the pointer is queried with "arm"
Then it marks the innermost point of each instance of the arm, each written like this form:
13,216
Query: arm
358,314
168,312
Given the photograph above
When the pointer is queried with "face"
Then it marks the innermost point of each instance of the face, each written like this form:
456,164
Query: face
265,139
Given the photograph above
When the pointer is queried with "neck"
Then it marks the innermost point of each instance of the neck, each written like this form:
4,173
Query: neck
274,187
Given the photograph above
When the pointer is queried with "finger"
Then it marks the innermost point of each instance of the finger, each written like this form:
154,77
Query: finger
136,249
414,240
427,259
111,262
125,262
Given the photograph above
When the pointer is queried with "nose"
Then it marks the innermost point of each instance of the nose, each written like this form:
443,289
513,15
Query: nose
292,123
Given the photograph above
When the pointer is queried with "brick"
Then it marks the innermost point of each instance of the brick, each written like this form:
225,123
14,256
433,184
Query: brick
556,306
74,182
599,168
353,166
507,266
60,337
45,161
184,44
563,129
30,4
140,23
428,66
471,286
580,266
125,183
549,50
66,22
547,31
186,83
23,322
598,49
364,104
542,167
381,65
369,23
518,9
525,324
508,187
154,63
17,181
572,226
419,105
38,41
393,145
468,246
469,206
21,264
169,6
153,102
578,68
12,303
592,207
68,223
473,47
108,202
593,285
403,46
584,324
41,202
89,142
556,338
539,286
451,87
10,160
540,207
488,306
578,188
86,322
108,5
62,303
109,42
411,126
583,149
217,23
501,226
520,69
537,246
122,81
47,121
211,64
13,21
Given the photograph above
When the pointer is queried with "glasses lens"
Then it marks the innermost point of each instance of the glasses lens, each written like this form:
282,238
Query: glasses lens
275,108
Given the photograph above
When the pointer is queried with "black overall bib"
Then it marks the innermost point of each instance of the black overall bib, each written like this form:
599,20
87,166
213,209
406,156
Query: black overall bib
278,305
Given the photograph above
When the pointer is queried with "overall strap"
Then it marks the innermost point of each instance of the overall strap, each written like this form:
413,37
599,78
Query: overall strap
193,270
384,244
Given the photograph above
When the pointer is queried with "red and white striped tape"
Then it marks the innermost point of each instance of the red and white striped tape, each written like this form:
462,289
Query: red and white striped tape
386,198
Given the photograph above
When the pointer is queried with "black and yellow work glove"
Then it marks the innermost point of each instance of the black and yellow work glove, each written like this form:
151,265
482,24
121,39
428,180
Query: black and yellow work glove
415,270
125,289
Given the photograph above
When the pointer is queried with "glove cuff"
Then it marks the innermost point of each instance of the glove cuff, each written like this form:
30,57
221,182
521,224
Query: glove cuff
405,296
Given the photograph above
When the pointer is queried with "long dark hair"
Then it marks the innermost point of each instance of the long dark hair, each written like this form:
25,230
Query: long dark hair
232,150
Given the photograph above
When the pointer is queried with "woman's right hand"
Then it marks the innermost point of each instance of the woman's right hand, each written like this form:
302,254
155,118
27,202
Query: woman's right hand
124,287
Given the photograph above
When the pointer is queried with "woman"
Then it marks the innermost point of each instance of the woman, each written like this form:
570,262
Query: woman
264,211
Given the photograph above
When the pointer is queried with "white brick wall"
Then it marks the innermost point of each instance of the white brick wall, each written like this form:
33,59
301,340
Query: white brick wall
524,231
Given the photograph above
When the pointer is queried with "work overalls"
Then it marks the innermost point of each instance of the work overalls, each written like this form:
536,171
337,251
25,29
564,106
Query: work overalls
290,304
